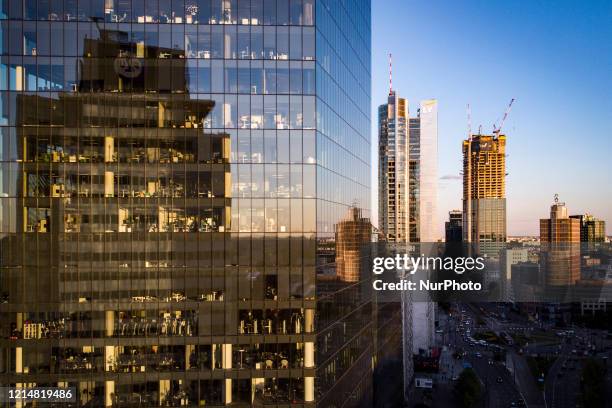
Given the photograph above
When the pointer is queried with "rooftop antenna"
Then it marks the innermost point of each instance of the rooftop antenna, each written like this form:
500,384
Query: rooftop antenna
390,75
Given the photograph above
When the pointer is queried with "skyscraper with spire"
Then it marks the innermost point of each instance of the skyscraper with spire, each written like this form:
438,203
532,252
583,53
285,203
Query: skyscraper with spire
408,168
408,150
560,246
393,168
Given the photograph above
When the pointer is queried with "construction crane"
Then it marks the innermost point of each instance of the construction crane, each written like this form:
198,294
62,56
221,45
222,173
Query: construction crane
497,130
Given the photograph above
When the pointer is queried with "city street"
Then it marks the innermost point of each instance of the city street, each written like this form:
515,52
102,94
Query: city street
499,389
509,381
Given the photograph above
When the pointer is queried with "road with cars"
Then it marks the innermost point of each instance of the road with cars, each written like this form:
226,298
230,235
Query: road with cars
503,370
497,383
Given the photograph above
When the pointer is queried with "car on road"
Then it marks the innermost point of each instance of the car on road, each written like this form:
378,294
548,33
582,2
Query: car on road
478,354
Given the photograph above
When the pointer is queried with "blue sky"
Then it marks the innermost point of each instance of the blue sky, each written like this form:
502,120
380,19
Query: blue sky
554,57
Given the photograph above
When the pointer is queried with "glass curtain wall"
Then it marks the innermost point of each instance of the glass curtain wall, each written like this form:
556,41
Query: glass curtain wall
170,174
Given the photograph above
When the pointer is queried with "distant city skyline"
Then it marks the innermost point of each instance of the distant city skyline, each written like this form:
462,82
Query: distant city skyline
552,57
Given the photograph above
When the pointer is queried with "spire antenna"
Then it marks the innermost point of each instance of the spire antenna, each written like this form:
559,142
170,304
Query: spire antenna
469,121
390,75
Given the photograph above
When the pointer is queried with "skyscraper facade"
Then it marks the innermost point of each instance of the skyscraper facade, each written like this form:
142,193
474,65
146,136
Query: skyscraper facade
407,203
508,258
408,170
484,192
352,234
169,170
453,227
423,173
393,220
393,181
422,208
591,228
560,246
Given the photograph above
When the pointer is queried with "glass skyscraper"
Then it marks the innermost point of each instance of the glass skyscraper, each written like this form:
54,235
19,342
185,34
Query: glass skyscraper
172,172
423,173
393,169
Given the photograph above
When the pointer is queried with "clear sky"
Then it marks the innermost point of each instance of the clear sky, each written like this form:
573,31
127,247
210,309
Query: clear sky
554,57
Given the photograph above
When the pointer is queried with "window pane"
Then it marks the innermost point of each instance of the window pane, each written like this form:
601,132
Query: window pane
257,77
269,85
308,43
230,111
282,12
295,12
270,111
204,42
217,42
244,42
217,81
295,79
282,43
203,76
244,77
230,41
231,82
296,115
308,12
257,42
269,13
269,45
295,46
282,77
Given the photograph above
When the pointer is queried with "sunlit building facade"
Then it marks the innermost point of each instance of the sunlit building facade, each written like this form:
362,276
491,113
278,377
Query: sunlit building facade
423,173
408,178
408,171
592,229
169,170
484,192
393,169
560,246
352,235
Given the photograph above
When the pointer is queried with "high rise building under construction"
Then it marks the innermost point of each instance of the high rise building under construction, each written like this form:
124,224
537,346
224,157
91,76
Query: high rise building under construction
484,192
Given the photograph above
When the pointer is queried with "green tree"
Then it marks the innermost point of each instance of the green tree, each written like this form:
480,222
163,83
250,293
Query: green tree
467,389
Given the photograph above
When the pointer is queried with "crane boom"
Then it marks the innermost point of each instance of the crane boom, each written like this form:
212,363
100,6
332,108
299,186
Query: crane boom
497,131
